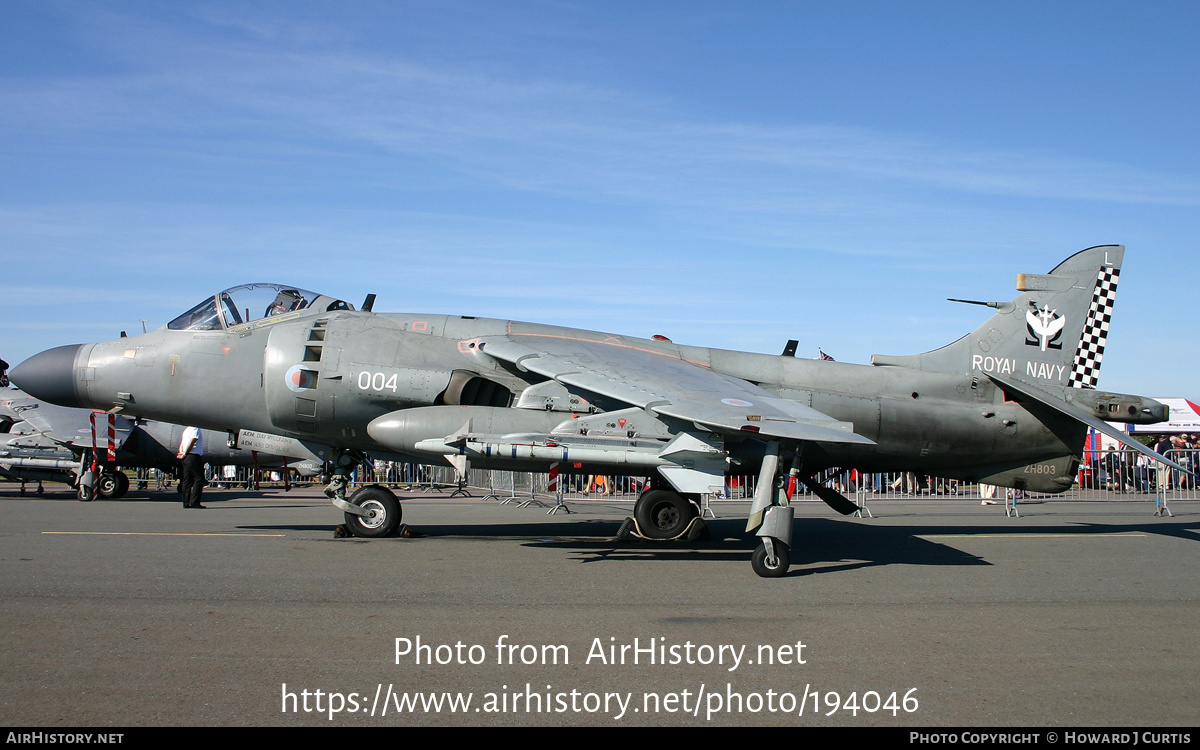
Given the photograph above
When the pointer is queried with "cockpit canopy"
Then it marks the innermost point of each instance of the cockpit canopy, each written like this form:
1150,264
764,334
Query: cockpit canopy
251,302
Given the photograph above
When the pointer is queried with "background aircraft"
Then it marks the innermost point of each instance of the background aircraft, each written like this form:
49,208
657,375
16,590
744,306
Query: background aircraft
1008,404
44,442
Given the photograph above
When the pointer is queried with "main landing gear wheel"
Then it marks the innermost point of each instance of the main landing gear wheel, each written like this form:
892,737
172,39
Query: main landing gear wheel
768,568
662,514
383,513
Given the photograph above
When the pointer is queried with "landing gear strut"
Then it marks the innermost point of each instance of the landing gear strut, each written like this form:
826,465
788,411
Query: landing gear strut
85,489
772,557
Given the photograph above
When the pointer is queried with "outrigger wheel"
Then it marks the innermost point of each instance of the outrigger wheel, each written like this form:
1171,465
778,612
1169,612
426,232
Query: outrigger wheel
771,563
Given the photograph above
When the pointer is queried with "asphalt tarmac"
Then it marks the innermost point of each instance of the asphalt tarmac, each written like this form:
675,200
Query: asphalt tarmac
935,613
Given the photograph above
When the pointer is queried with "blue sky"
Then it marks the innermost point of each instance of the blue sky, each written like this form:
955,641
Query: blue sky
726,174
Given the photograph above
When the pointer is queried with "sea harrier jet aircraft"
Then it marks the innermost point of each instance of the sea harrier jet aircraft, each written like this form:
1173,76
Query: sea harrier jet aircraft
1008,404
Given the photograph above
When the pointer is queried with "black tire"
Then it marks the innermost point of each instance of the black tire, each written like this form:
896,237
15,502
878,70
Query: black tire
106,484
122,484
662,514
386,510
783,561
85,493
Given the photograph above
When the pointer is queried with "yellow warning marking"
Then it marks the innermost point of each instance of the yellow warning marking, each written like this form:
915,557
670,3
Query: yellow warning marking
1128,534
151,533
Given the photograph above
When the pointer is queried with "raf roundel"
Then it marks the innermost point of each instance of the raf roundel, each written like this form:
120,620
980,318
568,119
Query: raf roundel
299,378
735,402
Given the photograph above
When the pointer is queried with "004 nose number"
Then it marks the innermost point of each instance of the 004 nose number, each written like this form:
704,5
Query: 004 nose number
377,381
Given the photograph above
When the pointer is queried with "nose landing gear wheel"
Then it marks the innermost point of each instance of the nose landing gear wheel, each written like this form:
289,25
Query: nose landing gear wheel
383,513
768,568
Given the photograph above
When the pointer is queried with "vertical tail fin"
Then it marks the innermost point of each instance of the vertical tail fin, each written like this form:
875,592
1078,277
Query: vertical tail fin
1085,369
1053,333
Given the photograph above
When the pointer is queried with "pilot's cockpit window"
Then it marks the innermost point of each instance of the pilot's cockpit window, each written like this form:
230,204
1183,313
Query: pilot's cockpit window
286,301
248,303
231,314
202,317
251,302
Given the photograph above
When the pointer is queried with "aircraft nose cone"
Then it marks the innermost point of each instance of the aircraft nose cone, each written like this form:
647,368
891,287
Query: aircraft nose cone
50,375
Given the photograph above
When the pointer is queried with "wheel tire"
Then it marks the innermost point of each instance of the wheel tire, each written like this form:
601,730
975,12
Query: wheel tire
106,484
662,514
386,513
85,493
783,561
122,484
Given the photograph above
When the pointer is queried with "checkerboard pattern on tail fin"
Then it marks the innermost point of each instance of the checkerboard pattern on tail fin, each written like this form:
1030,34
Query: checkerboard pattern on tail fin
1086,367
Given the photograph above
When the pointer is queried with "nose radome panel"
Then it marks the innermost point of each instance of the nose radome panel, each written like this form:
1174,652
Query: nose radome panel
50,375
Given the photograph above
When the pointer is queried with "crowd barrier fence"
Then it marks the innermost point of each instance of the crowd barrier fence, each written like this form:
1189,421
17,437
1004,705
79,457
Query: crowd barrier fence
1102,475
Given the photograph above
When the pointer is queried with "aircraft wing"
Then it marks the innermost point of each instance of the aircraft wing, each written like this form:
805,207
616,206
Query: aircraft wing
665,384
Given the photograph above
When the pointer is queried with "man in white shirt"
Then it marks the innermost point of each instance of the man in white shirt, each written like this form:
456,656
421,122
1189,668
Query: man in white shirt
191,452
